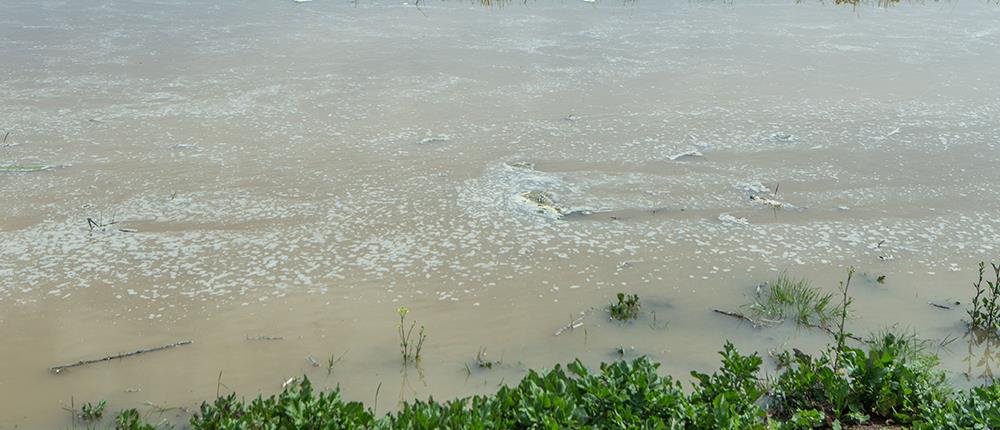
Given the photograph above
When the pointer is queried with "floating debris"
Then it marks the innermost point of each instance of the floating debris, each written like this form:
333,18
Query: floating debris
729,219
545,202
777,204
940,306
434,139
753,187
782,137
579,214
885,255
25,168
526,165
689,153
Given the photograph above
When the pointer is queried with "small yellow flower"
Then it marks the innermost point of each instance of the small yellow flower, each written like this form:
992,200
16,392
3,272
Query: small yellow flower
402,311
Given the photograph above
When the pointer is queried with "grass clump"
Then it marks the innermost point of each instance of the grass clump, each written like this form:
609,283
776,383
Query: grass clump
786,297
626,309
985,311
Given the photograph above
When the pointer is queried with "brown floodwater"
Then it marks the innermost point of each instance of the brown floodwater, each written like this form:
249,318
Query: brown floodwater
271,180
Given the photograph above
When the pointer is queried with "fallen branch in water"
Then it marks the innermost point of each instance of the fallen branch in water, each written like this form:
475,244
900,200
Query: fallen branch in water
737,315
768,323
58,369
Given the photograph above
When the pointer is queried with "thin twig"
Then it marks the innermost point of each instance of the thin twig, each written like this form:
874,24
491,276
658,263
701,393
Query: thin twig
576,323
57,369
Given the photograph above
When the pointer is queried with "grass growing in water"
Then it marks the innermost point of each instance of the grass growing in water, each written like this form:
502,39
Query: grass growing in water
786,297
626,309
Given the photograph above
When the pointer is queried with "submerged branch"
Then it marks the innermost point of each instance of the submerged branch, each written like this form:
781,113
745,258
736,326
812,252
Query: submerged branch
58,369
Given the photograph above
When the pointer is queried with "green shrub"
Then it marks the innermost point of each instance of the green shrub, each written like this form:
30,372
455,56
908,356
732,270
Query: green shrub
728,398
892,380
297,407
985,311
889,381
627,307
93,412
129,419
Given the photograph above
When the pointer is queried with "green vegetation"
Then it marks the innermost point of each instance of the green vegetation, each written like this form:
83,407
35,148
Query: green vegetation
985,311
626,309
92,412
409,348
786,297
890,381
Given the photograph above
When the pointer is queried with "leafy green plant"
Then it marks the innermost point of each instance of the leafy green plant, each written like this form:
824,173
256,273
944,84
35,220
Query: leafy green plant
786,297
985,311
93,412
297,407
409,348
129,419
845,303
626,309
890,381
892,378
728,398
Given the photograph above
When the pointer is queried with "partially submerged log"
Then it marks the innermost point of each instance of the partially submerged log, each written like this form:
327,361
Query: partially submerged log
58,369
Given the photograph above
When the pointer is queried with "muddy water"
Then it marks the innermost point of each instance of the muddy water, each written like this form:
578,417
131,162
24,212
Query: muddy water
298,171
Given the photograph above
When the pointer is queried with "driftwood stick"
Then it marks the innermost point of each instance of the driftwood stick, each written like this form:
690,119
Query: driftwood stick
575,323
766,323
737,315
57,369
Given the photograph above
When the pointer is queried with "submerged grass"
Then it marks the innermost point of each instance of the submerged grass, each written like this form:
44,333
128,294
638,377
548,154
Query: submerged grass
786,297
